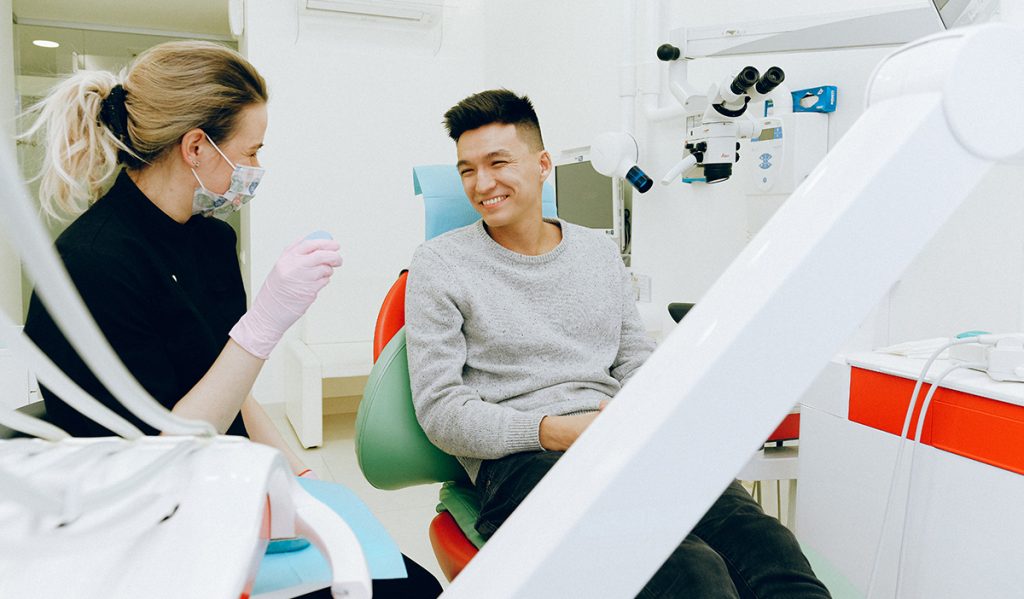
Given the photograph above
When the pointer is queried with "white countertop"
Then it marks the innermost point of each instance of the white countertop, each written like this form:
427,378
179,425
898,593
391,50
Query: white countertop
966,380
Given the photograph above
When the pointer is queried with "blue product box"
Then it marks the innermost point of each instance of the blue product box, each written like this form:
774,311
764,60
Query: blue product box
815,99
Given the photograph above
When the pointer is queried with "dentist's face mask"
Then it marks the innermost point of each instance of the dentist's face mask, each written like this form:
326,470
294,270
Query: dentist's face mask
244,180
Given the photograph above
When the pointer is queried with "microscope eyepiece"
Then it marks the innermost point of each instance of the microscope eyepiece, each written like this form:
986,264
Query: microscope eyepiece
668,53
743,80
770,80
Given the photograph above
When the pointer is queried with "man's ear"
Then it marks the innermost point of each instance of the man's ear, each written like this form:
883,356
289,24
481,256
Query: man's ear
545,165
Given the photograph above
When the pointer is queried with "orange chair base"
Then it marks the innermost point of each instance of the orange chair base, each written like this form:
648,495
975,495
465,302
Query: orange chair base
452,549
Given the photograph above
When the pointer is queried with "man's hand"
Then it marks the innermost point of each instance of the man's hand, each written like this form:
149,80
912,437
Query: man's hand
557,433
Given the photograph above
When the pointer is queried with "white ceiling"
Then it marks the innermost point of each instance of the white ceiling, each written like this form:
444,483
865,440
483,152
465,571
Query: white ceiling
183,16
108,33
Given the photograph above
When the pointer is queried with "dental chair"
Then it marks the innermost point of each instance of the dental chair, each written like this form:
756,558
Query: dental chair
394,452
392,449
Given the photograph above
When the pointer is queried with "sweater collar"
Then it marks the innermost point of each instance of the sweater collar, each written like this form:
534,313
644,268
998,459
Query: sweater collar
504,252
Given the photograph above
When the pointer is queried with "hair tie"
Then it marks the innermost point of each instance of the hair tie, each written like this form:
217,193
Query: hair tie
114,114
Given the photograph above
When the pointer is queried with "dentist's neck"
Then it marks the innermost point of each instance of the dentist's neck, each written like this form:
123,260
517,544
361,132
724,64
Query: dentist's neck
169,190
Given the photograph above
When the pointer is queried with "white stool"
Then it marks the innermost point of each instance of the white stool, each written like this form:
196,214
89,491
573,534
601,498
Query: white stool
308,367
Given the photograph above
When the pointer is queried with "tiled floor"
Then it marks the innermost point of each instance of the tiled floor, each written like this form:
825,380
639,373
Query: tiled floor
405,513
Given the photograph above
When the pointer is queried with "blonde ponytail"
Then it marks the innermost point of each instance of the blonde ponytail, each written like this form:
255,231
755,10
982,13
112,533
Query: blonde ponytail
169,90
80,154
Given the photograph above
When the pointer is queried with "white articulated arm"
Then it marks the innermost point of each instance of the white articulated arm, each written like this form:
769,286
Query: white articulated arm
639,479
296,513
350,575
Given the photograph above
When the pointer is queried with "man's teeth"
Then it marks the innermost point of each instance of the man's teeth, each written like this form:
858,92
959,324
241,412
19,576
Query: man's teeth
493,201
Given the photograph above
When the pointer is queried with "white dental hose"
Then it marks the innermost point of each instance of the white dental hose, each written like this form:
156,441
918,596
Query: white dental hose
913,454
31,426
58,382
65,305
873,578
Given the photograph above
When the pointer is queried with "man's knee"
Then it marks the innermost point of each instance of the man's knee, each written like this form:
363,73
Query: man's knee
693,570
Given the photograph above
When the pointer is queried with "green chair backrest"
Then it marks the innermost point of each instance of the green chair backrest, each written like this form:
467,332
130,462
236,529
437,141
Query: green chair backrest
391,447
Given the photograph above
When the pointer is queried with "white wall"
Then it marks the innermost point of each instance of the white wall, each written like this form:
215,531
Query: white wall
354,106
564,55
10,267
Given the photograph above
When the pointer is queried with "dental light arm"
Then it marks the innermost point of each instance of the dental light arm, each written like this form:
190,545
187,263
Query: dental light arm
641,476
65,305
614,154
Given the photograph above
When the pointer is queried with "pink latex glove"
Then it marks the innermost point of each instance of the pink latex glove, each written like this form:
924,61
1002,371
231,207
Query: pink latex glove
299,274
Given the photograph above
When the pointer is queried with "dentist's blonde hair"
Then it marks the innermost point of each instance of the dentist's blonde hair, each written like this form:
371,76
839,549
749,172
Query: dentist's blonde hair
168,90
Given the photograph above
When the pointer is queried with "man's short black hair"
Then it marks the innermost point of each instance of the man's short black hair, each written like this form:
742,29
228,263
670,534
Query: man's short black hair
495,106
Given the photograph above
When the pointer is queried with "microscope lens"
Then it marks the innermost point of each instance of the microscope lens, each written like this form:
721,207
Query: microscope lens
638,179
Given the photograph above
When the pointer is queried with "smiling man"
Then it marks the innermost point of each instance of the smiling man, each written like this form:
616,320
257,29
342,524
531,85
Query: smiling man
520,329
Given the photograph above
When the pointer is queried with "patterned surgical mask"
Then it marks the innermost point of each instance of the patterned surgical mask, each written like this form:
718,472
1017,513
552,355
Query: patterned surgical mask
244,180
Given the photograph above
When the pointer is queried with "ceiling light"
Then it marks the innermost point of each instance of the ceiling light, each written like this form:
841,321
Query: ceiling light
45,44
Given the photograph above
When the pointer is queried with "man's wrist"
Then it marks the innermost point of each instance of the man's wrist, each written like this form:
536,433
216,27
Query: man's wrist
550,433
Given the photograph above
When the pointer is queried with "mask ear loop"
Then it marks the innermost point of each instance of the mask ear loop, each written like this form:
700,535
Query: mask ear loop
198,180
222,155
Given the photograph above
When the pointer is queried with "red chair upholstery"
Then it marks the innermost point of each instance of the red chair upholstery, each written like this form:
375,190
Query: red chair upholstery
451,547
392,315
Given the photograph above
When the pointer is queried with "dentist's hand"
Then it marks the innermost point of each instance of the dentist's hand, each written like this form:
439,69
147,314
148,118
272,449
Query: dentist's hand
300,273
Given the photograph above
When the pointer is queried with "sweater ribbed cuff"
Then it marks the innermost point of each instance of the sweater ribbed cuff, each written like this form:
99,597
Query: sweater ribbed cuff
523,433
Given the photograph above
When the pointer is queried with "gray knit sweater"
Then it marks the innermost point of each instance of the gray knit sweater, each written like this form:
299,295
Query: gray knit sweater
497,340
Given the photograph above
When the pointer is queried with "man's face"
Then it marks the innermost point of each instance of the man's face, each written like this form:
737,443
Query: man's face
503,178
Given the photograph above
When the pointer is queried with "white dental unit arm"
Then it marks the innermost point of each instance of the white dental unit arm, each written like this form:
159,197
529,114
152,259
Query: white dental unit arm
642,475
183,515
719,117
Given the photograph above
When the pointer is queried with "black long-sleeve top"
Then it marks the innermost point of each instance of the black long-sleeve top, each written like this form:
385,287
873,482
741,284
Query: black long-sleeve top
165,294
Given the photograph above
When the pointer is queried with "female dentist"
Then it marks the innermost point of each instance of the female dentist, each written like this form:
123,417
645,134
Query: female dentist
160,278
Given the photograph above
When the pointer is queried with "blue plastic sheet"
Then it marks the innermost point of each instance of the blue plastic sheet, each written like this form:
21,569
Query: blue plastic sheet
306,566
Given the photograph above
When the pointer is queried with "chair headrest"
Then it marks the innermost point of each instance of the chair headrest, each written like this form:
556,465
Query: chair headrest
445,203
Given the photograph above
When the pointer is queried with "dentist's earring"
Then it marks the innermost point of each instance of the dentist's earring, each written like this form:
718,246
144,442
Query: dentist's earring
195,163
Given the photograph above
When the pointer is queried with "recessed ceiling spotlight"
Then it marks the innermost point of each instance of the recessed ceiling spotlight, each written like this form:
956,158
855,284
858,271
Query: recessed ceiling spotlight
46,44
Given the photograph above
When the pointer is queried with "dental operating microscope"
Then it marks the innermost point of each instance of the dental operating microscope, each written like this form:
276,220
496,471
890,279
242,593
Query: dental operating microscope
719,118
